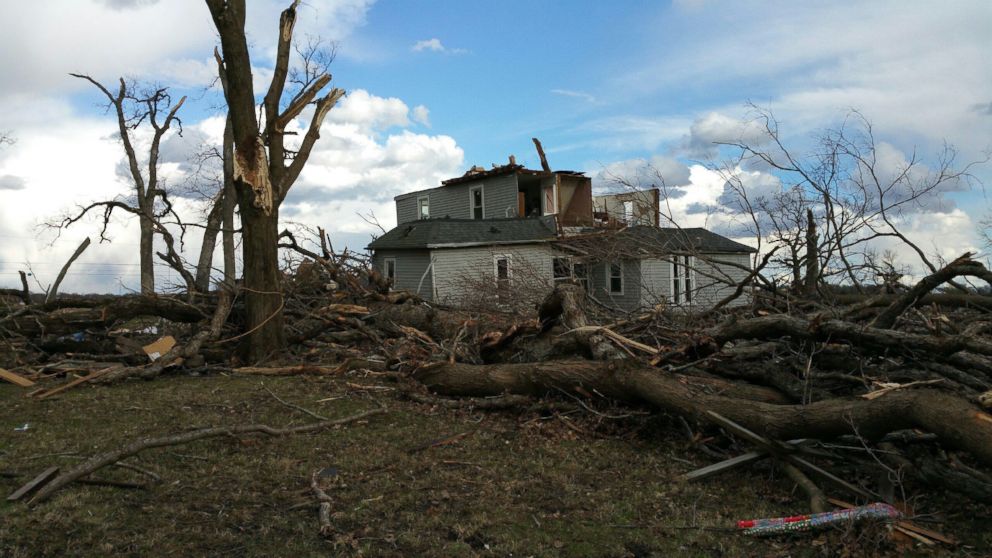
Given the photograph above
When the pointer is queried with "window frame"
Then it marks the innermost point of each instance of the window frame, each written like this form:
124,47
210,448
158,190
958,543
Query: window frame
627,207
385,269
685,279
610,277
482,202
422,202
555,268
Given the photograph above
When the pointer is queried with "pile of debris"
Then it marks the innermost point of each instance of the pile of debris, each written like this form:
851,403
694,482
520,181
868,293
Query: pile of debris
898,382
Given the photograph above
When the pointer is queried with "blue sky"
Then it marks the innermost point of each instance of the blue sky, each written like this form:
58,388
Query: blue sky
435,87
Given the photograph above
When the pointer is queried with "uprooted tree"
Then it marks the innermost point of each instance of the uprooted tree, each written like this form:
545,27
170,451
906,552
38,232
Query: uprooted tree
265,167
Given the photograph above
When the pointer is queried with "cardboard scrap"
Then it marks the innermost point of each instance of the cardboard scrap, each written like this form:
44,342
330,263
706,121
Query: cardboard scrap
16,379
157,349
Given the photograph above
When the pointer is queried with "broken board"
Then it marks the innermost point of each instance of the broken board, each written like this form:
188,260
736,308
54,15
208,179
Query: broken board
15,379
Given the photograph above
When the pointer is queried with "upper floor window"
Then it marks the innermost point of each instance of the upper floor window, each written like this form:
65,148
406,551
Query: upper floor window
477,202
423,207
615,271
628,212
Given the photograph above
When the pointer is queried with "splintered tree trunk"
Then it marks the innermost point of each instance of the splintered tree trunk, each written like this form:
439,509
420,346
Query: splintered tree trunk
812,256
229,199
147,248
263,293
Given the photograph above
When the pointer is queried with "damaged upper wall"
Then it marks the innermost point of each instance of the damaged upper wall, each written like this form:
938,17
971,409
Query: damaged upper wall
639,207
503,192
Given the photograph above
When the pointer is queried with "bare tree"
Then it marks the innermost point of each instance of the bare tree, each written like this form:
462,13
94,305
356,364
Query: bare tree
836,200
150,203
212,179
265,168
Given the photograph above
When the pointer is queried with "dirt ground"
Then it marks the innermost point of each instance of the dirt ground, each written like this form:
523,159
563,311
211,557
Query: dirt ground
515,484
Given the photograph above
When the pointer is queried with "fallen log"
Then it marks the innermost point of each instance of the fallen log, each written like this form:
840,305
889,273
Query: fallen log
69,320
961,267
954,420
834,331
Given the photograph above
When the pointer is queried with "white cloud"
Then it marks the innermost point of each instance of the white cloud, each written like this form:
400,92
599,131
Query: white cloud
11,182
713,128
575,94
366,155
435,45
916,69
422,115
365,110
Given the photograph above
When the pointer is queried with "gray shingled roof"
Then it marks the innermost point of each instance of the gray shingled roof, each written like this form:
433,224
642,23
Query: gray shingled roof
643,240
685,239
435,233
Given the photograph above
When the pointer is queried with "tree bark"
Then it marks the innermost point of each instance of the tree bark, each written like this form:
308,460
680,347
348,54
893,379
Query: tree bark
229,201
147,255
204,266
263,291
812,256
955,421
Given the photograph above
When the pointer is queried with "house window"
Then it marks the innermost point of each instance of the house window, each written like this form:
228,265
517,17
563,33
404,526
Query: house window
628,212
477,202
561,269
503,274
389,270
682,279
615,278
423,208
549,200
581,273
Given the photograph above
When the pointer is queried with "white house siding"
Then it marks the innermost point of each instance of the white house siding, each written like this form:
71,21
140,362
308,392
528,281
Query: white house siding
710,291
656,281
709,286
412,270
599,284
466,275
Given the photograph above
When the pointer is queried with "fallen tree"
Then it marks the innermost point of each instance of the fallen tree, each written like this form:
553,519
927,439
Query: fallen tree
955,421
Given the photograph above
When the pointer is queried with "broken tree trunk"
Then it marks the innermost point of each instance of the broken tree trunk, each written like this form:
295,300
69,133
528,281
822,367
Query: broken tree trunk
954,420
69,320
53,292
963,266
564,306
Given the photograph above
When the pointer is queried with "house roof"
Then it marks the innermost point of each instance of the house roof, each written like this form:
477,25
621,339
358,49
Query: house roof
644,240
452,233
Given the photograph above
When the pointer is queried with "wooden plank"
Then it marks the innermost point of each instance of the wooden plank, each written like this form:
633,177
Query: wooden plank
15,379
75,382
741,431
32,485
726,465
830,477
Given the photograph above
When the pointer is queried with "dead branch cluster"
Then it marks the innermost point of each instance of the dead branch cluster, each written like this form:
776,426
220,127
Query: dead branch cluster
899,381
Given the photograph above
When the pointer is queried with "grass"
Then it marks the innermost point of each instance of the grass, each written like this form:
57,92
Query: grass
518,484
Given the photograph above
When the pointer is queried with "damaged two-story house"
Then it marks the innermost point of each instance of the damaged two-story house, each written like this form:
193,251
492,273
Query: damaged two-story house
506,235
